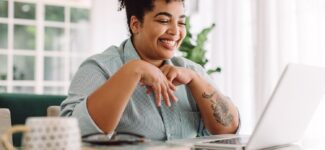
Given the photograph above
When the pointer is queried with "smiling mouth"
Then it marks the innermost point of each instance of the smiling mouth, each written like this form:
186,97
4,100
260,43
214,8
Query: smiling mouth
169,44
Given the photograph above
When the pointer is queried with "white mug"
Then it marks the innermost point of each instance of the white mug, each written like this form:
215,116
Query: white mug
47,133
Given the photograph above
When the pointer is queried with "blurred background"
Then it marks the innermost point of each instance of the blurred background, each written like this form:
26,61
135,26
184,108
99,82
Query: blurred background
43,42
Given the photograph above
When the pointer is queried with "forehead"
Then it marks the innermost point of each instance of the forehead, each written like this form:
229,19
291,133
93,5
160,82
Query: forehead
174,7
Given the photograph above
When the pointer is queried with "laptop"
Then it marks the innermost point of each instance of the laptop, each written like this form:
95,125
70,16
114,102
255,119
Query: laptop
285,117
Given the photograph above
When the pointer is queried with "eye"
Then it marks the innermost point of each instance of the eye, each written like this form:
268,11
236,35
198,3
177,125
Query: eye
182,23
163,21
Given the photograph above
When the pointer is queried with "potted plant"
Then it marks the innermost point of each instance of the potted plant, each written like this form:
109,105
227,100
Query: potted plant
193,49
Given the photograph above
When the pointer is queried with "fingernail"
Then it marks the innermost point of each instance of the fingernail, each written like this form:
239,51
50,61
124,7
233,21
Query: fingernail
168,103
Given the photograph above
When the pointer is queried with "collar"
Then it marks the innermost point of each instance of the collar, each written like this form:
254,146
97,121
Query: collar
129,53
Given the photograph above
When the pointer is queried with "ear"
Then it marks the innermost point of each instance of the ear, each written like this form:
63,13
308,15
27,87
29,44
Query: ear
135,25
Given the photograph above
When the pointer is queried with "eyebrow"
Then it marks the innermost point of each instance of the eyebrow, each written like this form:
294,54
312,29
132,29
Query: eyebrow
168,14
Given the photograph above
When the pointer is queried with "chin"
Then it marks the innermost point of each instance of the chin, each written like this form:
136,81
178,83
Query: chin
168,55
164,53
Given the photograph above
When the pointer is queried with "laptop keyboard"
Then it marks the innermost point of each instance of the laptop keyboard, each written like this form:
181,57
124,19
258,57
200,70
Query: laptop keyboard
237,140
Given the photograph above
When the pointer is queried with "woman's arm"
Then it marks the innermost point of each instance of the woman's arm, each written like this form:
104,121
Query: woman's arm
219,114
114,94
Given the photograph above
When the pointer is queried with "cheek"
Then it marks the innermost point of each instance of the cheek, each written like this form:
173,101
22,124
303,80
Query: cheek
182,33
158,31
182,30
153,35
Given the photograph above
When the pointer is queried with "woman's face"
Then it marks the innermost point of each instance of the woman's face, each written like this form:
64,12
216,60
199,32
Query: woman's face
161,31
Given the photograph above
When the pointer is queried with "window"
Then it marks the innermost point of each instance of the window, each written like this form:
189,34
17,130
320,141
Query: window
42,43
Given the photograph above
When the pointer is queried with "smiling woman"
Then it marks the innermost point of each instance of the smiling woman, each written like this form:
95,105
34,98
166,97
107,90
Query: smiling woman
121,89
150,31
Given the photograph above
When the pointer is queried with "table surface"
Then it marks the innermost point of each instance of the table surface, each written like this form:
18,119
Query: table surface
306,144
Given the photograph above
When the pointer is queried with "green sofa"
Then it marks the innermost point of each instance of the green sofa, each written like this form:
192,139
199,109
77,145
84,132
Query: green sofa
22,106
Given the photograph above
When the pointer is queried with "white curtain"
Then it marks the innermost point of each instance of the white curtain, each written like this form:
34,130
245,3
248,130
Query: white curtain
255,39
288,31
232,48
109,25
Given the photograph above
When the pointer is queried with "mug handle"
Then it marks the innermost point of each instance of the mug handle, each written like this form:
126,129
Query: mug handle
6,136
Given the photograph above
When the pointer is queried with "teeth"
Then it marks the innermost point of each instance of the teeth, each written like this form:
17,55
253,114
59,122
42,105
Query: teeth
170,43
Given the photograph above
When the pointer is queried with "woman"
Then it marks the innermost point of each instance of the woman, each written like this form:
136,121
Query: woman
122,88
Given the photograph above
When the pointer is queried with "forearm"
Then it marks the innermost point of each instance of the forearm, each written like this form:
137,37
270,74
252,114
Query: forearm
219,114
106,105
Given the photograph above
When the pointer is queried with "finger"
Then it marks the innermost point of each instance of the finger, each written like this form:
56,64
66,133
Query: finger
176,83
172,96
157,92
148,91
165,69
164,91
171,86
142,82
171,75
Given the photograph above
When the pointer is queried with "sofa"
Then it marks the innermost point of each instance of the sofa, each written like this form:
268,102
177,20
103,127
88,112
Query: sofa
22,106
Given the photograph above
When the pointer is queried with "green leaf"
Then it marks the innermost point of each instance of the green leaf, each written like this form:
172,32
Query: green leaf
186,45
210,71
188,27
203,35
193,49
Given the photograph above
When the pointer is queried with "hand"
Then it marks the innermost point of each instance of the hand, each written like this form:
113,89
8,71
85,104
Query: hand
177,75
153,78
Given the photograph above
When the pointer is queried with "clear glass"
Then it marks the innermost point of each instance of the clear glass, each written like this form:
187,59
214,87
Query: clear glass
3,8
24,37
54,69
3,35
24,68
79,15
23,89
24,10
3,89
53,38
54,13
54,90
3,67
79,38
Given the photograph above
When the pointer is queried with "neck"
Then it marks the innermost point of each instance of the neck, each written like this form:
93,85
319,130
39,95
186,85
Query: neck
157,63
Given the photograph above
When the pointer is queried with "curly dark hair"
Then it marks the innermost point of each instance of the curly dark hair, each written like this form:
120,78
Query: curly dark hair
137,8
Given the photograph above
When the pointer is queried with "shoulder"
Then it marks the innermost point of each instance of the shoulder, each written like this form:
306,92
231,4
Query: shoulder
109,61
112,55
109,55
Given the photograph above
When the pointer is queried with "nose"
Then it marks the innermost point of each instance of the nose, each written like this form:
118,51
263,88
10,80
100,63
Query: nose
173,29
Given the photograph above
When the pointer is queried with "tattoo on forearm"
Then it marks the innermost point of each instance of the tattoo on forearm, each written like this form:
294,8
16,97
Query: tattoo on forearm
220,109
208,96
